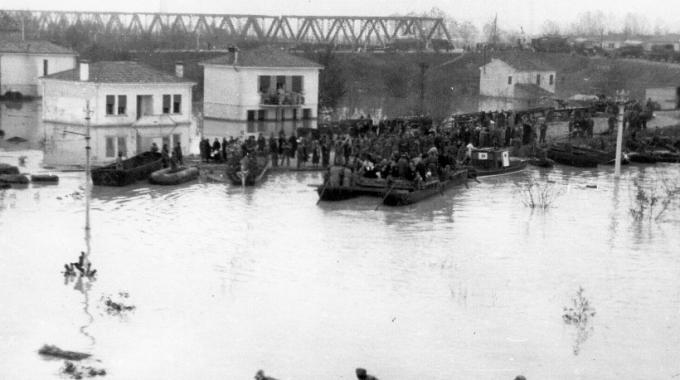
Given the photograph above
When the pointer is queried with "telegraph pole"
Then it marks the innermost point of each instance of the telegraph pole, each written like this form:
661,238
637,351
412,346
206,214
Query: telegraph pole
621,98
88,112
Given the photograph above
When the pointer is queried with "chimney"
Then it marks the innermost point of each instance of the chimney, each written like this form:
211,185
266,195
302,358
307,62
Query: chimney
179,69
84,70
234,50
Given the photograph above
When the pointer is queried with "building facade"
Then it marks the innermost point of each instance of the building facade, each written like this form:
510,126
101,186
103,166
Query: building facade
130,105
259,91
515,83
23,62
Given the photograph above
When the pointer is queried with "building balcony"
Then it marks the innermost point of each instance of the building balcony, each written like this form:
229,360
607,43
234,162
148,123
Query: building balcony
282,100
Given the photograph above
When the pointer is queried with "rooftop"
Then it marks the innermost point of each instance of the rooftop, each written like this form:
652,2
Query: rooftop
32,47
120,72
263,57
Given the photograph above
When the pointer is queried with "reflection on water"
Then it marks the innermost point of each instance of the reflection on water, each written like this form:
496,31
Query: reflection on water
229,280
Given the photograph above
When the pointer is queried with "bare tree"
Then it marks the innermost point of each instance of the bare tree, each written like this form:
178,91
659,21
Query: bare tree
590,23
550,27
468,32
635,24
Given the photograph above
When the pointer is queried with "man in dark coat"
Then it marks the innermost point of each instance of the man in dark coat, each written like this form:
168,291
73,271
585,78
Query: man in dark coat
177,152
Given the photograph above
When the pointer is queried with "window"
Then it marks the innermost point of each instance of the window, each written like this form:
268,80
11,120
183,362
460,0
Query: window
297,83
122,104
281,82
295,114
306,113
177,104
538,79
264,83
261,115
110,147
552,79
110,104
251,115
166,104
45,67
122,145
510,79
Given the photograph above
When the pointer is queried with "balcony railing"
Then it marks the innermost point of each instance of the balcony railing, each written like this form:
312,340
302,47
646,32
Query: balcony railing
282,99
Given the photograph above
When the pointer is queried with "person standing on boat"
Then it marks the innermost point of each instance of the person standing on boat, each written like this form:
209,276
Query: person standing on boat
154,148
119,161
177,153
165,155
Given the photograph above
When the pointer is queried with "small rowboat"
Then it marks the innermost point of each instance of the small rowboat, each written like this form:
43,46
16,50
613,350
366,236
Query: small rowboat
239,178
402,197
14,178
168,176
8,169
44,178
541,162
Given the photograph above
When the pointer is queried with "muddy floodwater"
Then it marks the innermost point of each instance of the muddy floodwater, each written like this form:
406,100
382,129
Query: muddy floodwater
225,281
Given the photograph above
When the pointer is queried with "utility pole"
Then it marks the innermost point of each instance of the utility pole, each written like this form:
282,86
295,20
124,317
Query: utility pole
88,113
621,99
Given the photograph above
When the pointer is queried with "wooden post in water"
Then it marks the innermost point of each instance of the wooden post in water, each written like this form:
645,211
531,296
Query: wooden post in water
621,100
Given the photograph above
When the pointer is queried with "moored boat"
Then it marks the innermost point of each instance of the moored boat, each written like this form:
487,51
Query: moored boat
641,157
168,176
248,178
490,161
338,188
48,178
541,162
8,169
402,197
566,156
134,169
14,178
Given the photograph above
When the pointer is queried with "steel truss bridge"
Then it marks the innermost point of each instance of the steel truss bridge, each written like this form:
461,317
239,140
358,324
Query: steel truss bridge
337,30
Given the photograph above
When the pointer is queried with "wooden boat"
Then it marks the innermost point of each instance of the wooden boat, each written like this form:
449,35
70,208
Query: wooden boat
541,162
168,176
402,197
251,179
14,178
666,156
489,161
134,169
641,157
602,157
566,156
361,186
8,169
49,178
54,351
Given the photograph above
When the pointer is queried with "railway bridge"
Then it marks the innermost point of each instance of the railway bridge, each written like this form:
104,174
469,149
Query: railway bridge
353,31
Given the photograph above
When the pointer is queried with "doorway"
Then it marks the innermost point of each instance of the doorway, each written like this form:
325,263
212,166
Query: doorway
144,105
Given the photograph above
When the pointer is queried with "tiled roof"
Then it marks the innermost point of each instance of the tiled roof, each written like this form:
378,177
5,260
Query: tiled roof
33,47
531,91
522,62
263,57
120,72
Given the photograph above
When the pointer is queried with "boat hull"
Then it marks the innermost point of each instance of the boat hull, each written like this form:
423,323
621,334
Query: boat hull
250,180
134,169
402,197
168,177
515,166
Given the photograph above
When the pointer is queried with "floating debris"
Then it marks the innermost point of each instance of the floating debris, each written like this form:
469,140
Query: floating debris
83,270
78,372
117,307
362,374
259,375
54,351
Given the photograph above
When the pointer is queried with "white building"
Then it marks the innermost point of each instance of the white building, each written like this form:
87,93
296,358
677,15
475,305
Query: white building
23,62
515,82
258,90
132,106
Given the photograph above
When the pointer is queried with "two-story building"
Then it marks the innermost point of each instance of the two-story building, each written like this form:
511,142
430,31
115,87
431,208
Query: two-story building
515,82
130,107
23,62
261,90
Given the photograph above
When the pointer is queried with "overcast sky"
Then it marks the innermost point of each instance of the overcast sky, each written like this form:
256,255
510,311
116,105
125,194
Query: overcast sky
529,14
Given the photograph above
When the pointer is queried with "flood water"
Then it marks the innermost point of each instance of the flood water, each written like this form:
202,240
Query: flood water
226,281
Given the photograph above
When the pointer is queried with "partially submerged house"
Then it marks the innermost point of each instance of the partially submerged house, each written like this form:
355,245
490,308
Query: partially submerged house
515,82
260,90
23,62
131,106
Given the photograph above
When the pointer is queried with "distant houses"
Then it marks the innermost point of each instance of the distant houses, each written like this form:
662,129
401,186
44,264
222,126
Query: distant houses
262,90
515,82
132,106
23,62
